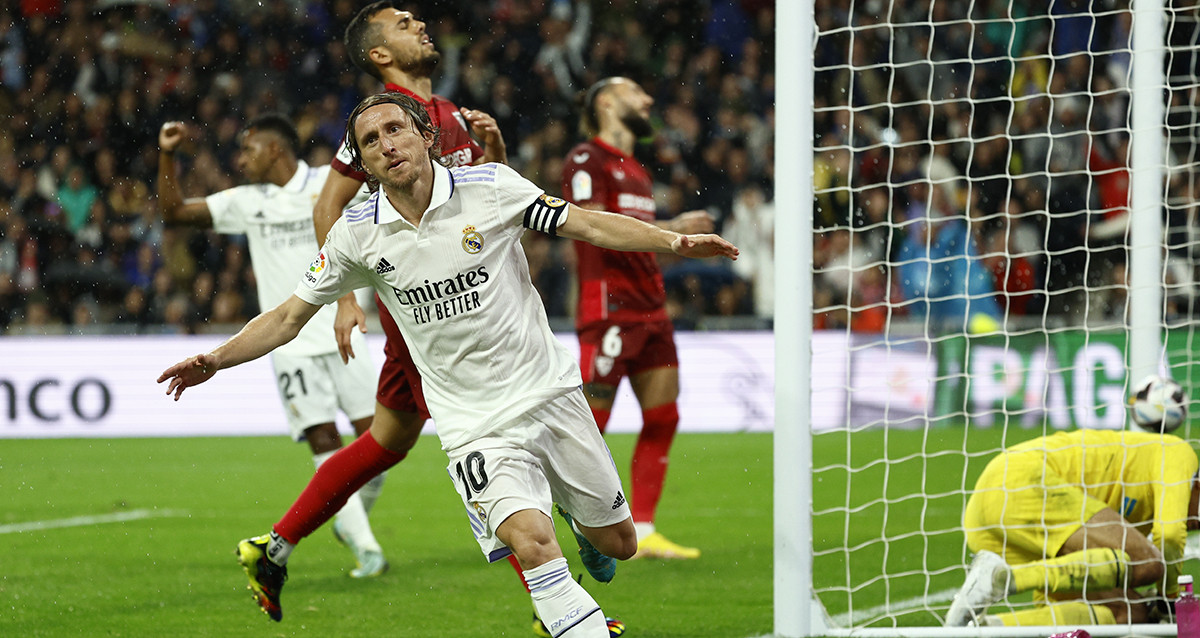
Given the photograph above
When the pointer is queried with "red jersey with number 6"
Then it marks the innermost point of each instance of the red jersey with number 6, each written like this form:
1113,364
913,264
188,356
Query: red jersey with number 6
614,286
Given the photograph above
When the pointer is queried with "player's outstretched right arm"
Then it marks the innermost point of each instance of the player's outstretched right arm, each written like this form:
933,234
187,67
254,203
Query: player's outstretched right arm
263,334
176,210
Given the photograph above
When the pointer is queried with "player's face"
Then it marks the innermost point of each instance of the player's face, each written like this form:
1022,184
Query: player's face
257,152
404,37
392,150
633,107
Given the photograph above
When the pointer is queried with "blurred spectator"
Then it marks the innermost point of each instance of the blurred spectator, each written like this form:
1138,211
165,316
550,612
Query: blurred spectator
941,275
97,77
752,229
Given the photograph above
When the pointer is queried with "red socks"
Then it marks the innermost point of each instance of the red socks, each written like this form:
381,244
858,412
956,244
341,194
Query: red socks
649,469
337,478
512,560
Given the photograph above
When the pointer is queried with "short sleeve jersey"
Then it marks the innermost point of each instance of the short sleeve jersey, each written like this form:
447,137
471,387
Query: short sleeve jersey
457,143
458,286
277,222
1147,478
614,286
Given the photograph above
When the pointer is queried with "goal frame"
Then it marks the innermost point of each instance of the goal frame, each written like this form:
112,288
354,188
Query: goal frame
797,612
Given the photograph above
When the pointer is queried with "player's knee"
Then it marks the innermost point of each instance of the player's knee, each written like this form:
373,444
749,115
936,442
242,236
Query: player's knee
396,431
1126,612
323,438
621,542
534,551
1146,572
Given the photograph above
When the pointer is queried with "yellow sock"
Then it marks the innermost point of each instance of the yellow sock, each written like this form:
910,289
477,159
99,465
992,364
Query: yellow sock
1072,613
1102,568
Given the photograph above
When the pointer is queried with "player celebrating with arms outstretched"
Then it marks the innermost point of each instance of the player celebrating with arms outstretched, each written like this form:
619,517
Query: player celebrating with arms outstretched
505,393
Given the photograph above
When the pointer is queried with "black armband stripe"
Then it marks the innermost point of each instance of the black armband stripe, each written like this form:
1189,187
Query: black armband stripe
544,214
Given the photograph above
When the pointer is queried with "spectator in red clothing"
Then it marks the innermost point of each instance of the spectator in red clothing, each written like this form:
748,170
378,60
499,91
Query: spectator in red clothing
1012,274
1110,172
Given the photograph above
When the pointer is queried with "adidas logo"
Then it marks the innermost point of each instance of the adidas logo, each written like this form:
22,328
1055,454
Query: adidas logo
384,267
620,500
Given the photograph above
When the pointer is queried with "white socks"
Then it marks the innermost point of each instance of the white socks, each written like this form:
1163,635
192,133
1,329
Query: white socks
643,530
369,493
565,607
278,549
352,518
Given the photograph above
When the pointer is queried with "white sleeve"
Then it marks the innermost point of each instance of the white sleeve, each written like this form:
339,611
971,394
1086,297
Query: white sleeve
523,203
334,272
227,214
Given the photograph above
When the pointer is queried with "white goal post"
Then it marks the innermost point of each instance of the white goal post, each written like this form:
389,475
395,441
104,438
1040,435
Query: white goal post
995,204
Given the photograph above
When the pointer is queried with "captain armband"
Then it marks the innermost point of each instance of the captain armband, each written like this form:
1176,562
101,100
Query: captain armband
546,214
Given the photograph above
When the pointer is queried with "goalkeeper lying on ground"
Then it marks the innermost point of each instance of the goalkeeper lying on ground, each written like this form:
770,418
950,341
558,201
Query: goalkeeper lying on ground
1101,510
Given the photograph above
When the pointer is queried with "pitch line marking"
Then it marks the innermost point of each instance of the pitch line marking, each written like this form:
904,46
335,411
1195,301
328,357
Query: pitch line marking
81,521
900,606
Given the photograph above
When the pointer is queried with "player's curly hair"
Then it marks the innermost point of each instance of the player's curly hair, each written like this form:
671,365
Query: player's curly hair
416,114
362,35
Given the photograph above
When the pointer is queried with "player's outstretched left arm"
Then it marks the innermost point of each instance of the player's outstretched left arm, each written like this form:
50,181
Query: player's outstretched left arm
263,334
621,232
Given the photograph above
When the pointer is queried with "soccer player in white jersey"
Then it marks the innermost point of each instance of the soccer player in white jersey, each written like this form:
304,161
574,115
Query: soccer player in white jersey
442,247
274,212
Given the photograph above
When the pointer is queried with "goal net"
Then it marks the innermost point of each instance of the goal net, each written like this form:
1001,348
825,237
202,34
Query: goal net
1004,241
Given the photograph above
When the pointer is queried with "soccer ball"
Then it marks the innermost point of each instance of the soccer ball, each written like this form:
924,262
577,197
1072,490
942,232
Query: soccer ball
1158,404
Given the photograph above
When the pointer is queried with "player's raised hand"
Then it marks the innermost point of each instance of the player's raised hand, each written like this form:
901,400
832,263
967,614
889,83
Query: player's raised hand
189,372
349,316
701,246
692,222
171,135
484,127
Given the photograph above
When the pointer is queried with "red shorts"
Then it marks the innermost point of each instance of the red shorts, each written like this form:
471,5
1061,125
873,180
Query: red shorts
609,351
399,381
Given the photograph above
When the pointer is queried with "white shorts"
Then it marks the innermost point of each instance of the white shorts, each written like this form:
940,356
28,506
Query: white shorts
314,388
553,454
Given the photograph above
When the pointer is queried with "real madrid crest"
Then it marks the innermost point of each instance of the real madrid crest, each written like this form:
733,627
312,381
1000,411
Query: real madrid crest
472,241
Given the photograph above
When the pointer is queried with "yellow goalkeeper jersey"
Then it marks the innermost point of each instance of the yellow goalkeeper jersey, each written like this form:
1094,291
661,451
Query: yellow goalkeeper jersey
1142,476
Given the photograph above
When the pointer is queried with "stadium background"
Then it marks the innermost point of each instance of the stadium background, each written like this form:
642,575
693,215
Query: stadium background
84,87
1019,118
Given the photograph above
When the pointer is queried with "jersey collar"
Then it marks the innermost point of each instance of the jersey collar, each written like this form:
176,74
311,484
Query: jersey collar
399,89
443,188
606,146
299,178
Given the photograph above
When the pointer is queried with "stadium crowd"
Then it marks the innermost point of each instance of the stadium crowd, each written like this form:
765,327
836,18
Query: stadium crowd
972,167
84,87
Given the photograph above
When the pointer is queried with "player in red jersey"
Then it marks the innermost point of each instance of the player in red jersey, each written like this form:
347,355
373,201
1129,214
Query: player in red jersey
392,46
623,326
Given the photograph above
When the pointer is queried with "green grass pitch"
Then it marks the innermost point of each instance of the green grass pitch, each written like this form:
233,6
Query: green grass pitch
175,574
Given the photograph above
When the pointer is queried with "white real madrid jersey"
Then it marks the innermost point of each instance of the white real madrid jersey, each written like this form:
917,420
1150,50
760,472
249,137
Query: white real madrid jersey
458,286
277,223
